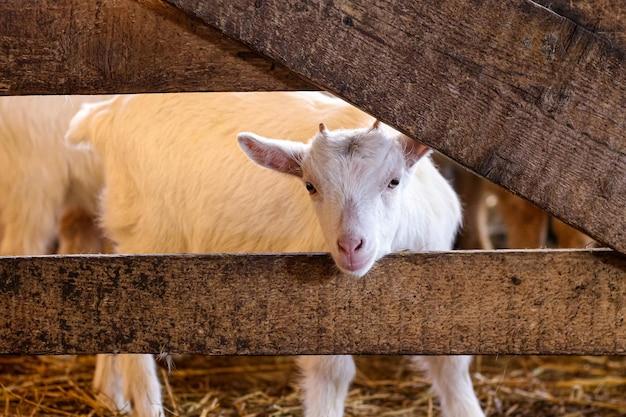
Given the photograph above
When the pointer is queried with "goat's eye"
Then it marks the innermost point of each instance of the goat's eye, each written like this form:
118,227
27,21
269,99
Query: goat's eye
310,188
393,183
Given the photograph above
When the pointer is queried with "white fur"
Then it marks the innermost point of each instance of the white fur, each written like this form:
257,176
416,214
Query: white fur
326,380
40,174
176,182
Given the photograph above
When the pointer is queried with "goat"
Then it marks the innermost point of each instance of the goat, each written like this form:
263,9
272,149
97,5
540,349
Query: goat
526,225
41,175
176,182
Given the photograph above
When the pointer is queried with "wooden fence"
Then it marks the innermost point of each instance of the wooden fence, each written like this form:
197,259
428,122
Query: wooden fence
458,302
531,99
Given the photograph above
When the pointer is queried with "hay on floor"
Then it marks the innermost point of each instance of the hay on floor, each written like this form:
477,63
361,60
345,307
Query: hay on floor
267,387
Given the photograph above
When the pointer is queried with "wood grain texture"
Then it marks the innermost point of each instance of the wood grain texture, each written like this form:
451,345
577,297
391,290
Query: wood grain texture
547,302
518,94
123,46
605,18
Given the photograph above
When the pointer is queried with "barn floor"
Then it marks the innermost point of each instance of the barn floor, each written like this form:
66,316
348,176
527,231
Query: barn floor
265,387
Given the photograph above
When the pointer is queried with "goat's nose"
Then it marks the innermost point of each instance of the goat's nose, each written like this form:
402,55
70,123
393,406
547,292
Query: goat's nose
350,244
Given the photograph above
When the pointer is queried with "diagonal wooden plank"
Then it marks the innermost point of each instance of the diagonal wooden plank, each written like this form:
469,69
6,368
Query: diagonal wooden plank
546,302
514,92
605,18
123,46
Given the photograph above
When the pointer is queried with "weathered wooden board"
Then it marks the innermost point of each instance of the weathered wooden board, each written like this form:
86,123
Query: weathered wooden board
548,302
520,95
605,18
123,46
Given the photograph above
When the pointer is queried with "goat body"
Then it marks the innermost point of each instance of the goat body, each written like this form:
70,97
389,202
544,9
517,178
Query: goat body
40,174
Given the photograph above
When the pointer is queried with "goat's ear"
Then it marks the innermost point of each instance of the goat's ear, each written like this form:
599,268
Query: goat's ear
280,155
413,150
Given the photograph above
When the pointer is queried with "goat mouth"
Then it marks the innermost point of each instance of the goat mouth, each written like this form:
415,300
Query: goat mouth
355,267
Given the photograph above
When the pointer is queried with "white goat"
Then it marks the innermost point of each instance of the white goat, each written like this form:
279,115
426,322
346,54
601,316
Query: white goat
176,182
40,174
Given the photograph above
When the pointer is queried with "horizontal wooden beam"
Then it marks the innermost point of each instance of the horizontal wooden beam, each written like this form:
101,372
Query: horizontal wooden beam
123,46
524,97
530,302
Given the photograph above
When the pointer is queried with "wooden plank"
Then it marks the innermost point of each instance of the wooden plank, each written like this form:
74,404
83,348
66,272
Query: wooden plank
123,46
544,302
520,95
605,18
